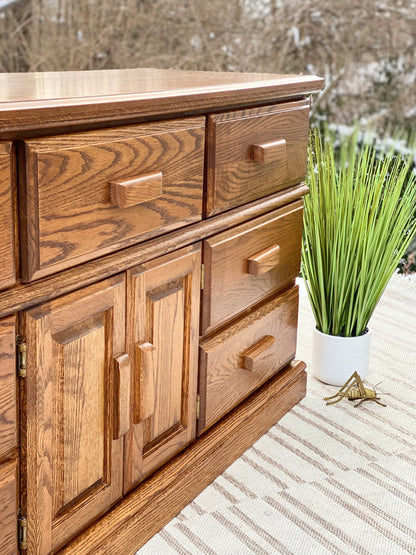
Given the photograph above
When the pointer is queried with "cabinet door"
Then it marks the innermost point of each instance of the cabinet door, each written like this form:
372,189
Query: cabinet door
8,430
162,316
73,464
8,508
7,271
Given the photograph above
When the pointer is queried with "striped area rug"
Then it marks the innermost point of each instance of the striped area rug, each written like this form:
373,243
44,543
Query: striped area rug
323,480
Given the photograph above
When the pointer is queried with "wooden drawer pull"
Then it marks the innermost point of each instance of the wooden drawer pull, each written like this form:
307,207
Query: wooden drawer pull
144,405
264,261
122,395
270,152
254,353
136,191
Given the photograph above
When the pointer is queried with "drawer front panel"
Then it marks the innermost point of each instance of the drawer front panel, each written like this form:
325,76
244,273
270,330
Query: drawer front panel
241,358
8,430
92,193
8,508
247,263
7,271
254,153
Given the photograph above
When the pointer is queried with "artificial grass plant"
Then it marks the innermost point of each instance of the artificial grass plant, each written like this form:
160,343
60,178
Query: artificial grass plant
359,219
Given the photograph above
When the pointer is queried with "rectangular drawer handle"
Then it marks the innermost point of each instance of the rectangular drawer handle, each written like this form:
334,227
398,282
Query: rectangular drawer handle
264,261
122,395
270,152
255,352
144,405
136,191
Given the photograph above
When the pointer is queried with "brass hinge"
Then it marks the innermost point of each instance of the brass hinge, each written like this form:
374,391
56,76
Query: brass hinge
22,530
21,358
202,276
198,406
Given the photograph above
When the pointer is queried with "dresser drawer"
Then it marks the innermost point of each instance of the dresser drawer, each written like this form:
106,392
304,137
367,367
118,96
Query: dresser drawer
242,357
8,429
7,272
249,262
89,194
255,152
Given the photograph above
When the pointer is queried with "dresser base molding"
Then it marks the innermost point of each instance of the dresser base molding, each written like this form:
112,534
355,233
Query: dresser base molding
148,508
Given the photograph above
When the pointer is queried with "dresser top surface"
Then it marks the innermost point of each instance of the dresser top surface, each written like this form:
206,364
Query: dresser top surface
51,98
59,87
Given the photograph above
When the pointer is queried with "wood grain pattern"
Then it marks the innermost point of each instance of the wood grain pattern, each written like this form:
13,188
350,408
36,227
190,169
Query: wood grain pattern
23,296
72,98
264,261
121,394
136,191
272,151
229,287
163,316
82,353
8,508
8,407
223,380
179,481
233,176
69,217
7,269
74,468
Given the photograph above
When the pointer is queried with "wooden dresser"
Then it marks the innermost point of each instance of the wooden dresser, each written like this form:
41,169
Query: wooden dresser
151,232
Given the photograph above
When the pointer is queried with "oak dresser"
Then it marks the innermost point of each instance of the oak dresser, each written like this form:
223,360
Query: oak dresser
151,232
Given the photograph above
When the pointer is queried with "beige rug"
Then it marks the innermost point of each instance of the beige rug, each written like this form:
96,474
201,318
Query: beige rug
323,480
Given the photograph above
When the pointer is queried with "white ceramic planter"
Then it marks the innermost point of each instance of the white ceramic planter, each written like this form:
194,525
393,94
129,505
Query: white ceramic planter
335,358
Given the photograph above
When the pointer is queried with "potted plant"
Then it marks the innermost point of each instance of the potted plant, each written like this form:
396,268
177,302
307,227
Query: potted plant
358,220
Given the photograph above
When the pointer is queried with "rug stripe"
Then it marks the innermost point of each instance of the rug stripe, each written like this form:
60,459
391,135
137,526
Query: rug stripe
239,485
365,517
259,468
228,496
278,466
239,534
174,543
197,508
376,510
334,436
373,446
196,540
326,542
274,542
311,446
299,453
391,489
348,540
394,477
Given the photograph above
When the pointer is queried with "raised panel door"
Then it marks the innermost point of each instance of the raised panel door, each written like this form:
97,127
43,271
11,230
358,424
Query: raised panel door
162,316
8,409
8,508
73,446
